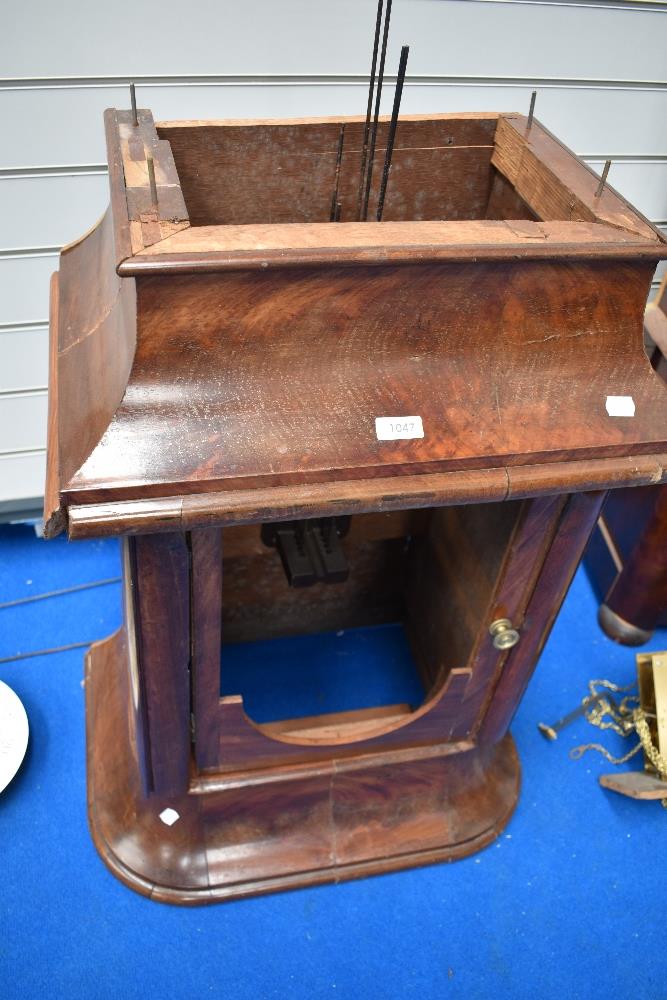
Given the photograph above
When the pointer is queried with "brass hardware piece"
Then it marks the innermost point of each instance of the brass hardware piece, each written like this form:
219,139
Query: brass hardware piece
503,633
551,732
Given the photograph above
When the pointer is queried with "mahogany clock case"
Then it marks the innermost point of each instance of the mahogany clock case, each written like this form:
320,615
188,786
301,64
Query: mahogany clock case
219,354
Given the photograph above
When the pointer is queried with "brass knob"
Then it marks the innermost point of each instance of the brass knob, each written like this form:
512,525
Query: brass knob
503,633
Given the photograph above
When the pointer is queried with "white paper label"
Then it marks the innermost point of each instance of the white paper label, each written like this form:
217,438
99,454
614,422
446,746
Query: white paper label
169,816
398,428
620,406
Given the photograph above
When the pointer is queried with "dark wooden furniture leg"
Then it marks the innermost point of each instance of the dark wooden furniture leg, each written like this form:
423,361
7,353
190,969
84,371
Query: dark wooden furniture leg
636,601
627,557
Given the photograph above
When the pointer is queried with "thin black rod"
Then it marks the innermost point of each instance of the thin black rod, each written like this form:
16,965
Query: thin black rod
400,80
603,178
133,100
531,111
376,115
369,107
339,157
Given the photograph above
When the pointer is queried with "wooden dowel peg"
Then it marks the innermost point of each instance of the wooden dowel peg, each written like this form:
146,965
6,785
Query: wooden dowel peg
603,178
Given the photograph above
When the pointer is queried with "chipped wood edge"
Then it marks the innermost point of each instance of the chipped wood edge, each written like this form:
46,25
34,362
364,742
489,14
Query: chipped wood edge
147,229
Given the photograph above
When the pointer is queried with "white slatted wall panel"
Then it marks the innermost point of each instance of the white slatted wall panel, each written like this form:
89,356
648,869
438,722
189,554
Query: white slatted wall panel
599,69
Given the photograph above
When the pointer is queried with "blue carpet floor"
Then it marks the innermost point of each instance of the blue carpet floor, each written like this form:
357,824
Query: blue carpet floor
567,903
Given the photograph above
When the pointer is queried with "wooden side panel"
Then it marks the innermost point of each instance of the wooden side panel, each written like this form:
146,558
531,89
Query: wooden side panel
161,587
523,562
206,638
574,529
453,575
555,183
96,341
504,200
136,690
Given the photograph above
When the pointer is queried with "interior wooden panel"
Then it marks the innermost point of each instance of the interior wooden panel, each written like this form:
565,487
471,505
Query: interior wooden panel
555,183
505,202
453,573
258,603
245,539
436,570
271,173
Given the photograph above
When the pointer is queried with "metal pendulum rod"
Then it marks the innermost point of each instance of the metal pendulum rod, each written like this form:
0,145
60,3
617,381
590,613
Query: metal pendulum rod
376,115
400,79
369,107
133,101
603,178
335,204
531,110
151,182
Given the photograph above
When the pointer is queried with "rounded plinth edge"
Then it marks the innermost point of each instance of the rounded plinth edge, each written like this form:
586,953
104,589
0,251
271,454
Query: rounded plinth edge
246,840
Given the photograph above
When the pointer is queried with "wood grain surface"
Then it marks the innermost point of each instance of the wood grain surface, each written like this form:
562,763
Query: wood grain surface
337,824
276,379
220,353
253,350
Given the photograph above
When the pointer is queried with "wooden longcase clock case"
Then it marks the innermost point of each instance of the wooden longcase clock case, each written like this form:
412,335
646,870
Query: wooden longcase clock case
220,352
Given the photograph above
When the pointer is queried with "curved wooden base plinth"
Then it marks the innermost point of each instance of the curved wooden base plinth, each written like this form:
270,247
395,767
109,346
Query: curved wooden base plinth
254,836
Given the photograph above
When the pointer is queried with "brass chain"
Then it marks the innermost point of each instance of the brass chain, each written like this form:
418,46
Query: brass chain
623,718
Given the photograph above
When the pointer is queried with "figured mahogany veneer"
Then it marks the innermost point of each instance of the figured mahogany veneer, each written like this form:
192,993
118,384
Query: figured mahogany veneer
254,346
218,361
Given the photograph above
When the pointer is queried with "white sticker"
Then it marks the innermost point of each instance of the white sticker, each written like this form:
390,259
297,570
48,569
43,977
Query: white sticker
398,428
620,406
169,816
